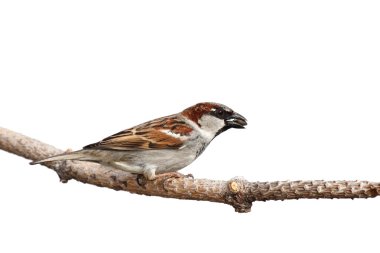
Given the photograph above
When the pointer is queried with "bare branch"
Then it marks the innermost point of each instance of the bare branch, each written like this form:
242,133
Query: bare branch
236,192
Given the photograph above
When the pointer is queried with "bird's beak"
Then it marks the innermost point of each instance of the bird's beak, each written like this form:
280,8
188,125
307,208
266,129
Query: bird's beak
236,121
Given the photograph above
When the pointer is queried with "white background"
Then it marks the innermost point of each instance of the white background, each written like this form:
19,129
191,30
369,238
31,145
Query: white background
304,73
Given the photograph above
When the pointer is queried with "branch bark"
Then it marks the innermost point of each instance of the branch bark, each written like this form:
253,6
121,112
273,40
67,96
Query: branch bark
236,192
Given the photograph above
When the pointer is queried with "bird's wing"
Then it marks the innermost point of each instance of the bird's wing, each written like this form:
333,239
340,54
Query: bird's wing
163,133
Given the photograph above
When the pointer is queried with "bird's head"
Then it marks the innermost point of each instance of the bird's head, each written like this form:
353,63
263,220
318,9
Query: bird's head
214,118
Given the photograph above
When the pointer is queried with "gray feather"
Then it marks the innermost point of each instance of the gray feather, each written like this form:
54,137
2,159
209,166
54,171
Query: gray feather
80,155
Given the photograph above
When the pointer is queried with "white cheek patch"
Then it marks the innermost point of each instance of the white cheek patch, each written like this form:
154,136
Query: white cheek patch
211,124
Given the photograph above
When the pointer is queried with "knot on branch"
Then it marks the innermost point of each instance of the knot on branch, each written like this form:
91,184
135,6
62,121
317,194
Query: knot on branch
237,195
62,170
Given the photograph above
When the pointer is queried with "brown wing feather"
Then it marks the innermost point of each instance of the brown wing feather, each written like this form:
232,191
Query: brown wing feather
147,136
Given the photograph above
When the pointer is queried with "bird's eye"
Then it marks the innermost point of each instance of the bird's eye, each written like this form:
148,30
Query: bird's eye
220,112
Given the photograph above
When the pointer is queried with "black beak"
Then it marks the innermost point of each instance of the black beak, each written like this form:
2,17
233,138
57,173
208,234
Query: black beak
236,121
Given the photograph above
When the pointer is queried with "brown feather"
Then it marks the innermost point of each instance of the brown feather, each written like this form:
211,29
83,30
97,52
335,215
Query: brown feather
197,111
148,135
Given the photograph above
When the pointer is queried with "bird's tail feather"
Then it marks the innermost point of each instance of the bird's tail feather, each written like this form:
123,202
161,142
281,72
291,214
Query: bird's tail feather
76,155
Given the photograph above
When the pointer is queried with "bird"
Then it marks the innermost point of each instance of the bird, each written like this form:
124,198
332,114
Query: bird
162,146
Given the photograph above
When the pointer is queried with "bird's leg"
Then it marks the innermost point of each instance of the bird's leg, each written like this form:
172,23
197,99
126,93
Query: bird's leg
150,173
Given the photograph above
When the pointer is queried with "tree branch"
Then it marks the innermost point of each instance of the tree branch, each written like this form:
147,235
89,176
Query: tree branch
236,192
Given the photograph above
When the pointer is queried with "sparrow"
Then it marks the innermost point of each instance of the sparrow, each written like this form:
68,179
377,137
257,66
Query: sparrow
160,146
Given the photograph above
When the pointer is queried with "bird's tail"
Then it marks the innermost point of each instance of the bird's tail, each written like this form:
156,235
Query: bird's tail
80,155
